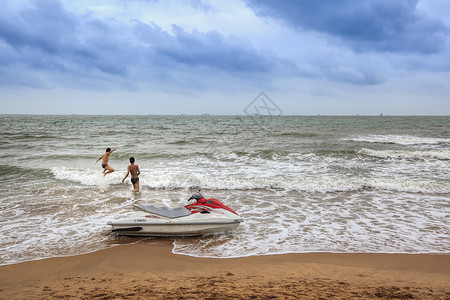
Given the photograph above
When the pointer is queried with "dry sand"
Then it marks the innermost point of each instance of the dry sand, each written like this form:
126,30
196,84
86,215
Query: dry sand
151,271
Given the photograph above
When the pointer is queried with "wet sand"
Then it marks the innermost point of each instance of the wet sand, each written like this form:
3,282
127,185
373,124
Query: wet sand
151,271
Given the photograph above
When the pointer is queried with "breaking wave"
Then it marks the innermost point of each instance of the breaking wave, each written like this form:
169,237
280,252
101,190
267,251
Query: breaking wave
169,180
404,154
399,139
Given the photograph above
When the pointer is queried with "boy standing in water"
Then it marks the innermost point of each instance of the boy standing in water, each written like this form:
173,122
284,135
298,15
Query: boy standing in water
106,168
134,170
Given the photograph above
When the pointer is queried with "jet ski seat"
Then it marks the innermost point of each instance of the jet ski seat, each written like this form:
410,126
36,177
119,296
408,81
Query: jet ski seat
164,211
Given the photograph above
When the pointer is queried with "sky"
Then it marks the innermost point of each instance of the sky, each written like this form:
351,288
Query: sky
134,57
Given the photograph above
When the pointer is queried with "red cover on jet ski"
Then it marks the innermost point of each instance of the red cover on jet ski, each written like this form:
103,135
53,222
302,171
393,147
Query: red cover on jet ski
211,203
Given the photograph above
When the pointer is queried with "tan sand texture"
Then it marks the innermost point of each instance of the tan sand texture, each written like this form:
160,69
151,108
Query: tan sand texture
151,271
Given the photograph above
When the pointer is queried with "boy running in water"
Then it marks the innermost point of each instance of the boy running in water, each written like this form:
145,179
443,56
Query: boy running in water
134,170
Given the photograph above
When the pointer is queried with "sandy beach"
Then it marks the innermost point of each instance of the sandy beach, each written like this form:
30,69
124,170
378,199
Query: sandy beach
149,270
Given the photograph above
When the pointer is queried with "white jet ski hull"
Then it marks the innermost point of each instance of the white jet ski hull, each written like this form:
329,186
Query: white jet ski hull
173,229
145,224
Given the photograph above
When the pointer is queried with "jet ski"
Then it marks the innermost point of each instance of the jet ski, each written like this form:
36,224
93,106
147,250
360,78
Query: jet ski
205,216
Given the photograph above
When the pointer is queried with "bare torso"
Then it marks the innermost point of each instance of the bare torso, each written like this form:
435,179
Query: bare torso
105,158
134,170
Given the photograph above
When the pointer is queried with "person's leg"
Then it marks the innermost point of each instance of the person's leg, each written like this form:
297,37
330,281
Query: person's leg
136,186
109,170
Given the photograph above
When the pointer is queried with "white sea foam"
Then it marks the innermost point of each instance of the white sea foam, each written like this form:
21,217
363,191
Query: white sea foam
406,154
322,184
276,220
86,176
367,222
399,139
67,226
309,173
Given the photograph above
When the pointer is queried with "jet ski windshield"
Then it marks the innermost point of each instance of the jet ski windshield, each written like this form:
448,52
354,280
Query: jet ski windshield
197,196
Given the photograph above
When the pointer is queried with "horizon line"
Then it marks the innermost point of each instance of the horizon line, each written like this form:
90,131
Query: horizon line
229,115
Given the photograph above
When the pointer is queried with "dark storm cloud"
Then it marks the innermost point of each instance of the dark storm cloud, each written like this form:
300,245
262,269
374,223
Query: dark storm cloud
210,49
45,27
42,44
371,25
46,37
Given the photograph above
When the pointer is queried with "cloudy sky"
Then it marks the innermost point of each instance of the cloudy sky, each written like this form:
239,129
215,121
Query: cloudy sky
339,57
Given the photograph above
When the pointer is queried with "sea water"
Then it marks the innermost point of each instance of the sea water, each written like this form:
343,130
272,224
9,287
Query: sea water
302,184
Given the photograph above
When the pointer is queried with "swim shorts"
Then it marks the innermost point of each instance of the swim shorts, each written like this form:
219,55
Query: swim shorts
134,180
104,165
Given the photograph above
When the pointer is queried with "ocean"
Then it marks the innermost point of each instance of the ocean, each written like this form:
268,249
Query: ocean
302,184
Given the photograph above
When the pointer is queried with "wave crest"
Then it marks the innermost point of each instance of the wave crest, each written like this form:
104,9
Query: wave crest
426,154
167,180
399,139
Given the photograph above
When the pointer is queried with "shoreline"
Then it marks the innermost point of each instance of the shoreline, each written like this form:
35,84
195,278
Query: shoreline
149,270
